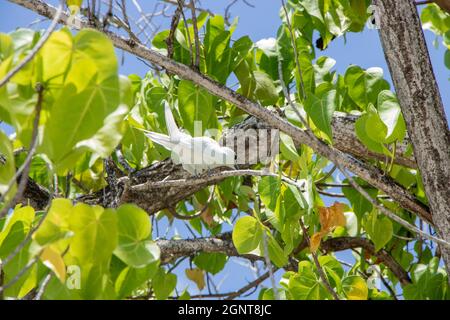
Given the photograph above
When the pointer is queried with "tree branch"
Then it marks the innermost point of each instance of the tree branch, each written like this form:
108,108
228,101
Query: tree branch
174,249
196,37
322,274
372,175
345,243
415,83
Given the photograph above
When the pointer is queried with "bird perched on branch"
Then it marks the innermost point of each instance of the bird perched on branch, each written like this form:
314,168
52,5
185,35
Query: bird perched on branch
195,154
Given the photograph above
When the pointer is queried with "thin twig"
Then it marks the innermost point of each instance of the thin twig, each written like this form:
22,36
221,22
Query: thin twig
173,27
36,48
287,95
232,295
183,217
196,38
249,286
294,46
391,214
44,285
188,34
327,175
25,168
322,275
418,3
19,274
269,266
198,214
30,234
125,24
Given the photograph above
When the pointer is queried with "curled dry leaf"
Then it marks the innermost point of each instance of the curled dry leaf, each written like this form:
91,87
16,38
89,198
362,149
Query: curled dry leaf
330,218
196,275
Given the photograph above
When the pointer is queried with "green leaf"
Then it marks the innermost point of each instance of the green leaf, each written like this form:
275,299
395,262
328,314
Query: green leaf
265,91
269,189
365,85
363,135
12,269
25,215
76,3
163,284
276,253
13,238
135,247
323,68
240,49
219,57
375,128
447,59
6,46
110,134
305,285
331,263
56,56
294,202
321,110
131,279
360,204
196,104
379,229
211,262
84,113
429,282
355,288
247,234
287,148
56,224
95,233
390,114
7,167
435,19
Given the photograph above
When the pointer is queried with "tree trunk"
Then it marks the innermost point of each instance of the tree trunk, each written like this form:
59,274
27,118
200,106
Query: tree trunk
409,62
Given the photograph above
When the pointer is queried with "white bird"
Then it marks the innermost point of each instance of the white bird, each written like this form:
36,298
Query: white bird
195,154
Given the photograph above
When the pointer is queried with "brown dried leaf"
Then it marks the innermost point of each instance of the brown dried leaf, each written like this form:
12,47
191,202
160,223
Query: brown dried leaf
332,217
196,275
207,217
314,242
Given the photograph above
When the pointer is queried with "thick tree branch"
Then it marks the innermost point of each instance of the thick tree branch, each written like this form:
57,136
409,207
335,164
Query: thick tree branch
370,174
174,249
415,83
345,243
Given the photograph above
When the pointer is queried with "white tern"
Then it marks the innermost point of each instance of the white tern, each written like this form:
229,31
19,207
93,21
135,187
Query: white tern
195,154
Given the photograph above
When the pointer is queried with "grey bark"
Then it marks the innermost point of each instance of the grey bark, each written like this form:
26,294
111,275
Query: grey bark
418,93
174,249
371,174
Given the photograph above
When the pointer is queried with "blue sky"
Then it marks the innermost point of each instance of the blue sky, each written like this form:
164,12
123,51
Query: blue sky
262,21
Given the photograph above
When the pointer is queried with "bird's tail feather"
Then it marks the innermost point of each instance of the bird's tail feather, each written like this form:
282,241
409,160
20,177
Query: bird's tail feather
172,127
161,139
